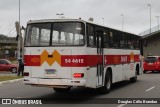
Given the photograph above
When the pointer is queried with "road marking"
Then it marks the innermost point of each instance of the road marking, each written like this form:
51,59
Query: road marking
149,89
121,105
19,97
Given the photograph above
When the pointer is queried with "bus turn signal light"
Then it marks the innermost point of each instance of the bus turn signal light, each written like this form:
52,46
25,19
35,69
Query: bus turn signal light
78,75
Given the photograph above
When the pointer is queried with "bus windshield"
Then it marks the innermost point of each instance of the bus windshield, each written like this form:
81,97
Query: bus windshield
55,34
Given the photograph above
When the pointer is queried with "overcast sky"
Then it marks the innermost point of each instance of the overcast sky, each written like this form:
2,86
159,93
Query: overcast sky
136,12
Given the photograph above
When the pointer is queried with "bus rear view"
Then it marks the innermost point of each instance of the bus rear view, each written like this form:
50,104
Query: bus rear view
63,53
53,56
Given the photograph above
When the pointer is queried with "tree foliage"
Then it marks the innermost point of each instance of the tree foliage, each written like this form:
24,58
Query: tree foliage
3,37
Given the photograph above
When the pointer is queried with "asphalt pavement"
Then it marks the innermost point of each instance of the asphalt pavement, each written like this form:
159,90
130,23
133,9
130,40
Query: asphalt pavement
147,86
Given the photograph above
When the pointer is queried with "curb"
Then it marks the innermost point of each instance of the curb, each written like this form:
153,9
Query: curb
11,81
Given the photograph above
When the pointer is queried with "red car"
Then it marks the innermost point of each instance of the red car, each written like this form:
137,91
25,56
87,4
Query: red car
6,65
151,63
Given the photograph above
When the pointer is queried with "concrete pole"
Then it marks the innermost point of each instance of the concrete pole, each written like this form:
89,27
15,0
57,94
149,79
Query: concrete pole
150,16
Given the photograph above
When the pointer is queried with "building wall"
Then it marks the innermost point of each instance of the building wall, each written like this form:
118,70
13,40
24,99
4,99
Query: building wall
152,47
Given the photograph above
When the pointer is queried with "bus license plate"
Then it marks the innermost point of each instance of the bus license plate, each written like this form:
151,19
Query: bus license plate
50,71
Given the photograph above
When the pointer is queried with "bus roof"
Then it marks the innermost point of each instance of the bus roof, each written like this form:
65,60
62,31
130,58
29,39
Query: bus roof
76,20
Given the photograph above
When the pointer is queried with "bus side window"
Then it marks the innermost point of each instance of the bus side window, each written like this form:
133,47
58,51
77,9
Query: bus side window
121,40
111,39
126,41
137,43
130,46
90,36
91,41
116,39
133,42
106,39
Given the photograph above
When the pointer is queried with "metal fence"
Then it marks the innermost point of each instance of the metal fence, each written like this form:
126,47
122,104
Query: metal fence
152,30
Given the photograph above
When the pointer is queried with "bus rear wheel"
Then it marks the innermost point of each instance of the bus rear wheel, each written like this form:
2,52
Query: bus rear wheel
62,89
107,84
134,79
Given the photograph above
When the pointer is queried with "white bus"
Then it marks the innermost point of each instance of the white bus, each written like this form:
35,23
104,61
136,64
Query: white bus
64,53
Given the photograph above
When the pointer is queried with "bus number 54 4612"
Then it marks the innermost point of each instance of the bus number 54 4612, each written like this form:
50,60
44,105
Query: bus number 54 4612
74,61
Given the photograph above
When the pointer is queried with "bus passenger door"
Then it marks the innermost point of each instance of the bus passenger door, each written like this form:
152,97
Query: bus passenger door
100,63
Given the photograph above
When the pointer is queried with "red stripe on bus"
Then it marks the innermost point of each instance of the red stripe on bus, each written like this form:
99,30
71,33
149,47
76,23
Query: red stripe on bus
120,59
84,60
137,58
32,60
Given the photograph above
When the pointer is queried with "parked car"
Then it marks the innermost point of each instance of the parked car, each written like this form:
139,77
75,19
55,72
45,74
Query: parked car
6,65
151,63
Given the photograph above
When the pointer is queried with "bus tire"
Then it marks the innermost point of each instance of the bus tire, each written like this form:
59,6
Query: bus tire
58,90
107,84
134,79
